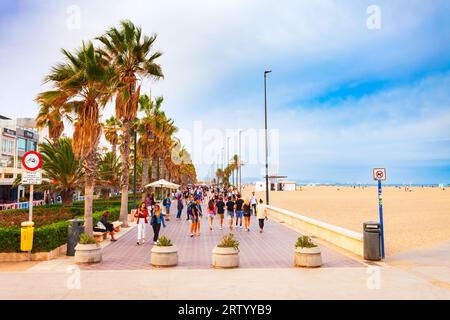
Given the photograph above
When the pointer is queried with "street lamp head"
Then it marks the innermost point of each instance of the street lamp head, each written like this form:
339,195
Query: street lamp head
267,71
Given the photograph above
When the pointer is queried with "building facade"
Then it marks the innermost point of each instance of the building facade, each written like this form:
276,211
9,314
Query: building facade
17,136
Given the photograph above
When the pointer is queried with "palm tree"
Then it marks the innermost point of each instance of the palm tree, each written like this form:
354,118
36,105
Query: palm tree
108,173
219,174
234,167
146,127
84,80
111,129
130,54
62,168
52,116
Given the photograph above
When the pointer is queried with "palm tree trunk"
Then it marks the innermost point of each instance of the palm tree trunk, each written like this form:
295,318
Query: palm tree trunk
90,169
153,171
124,179
114,148
105,193
158,172
144,179
67,197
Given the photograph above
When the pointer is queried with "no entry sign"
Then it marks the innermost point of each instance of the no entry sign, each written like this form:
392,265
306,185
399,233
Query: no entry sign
32,160
379,174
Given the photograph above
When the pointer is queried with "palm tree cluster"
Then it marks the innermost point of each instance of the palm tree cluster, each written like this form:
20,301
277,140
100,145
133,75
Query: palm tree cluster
223,175
82,85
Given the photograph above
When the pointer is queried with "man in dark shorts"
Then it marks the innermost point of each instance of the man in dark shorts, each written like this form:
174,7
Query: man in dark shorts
230,212
220,210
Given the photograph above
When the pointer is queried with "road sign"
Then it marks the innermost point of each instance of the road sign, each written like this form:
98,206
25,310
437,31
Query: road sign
379,174
32,160
31,177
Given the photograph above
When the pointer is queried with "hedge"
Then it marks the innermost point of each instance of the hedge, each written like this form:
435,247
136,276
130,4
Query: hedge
49,237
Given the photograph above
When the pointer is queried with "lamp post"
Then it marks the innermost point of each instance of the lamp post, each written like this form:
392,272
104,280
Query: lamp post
240,163
134,168
265,129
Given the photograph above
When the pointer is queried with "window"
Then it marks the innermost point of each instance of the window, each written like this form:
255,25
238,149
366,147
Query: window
7,146
22,144
31,145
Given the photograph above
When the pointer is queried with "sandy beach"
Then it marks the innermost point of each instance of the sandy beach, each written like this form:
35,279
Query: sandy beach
413,220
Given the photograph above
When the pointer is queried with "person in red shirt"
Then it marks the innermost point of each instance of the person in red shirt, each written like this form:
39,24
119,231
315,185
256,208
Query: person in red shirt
141,220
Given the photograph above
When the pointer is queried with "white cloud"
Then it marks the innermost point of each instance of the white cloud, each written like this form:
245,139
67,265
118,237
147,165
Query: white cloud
215,51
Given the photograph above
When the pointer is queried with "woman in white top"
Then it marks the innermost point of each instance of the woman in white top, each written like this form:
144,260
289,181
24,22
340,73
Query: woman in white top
253,203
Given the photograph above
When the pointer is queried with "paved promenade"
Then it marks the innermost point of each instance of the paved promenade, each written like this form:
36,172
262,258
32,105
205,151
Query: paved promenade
266,272
272,249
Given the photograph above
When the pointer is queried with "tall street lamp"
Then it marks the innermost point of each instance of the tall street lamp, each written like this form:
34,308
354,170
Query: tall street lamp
134,167
265,129
228,151
240,163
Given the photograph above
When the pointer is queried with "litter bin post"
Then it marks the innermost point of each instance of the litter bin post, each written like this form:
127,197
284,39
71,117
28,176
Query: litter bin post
372,241
75,229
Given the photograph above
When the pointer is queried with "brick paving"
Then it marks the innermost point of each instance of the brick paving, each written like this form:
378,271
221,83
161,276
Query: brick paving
272,249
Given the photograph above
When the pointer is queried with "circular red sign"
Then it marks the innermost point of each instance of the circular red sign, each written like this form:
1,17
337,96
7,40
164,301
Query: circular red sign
32,160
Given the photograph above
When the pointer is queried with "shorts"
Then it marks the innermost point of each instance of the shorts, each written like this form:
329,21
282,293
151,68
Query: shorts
230,214
238,213
211,215
247,214
194,219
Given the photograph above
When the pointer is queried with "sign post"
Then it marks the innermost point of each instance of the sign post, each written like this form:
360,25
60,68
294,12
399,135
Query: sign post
379,174
31,161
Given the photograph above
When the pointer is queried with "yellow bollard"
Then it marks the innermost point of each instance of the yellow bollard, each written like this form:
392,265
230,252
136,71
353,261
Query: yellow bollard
26,235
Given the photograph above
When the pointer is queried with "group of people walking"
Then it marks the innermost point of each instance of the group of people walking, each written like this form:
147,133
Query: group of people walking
220,202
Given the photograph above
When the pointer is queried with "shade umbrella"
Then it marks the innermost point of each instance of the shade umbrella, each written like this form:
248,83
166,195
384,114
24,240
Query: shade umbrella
162,183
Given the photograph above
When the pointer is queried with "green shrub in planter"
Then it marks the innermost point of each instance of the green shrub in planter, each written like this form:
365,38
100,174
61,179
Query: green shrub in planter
229,242
304,242
164,242
86,239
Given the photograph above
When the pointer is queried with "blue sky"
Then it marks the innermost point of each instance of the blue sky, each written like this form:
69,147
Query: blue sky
343,98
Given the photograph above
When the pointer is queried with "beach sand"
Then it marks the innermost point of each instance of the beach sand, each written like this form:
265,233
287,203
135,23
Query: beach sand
412,220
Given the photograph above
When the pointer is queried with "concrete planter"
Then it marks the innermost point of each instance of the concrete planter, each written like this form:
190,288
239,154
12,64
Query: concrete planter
225,257
164,256
308,257
88,253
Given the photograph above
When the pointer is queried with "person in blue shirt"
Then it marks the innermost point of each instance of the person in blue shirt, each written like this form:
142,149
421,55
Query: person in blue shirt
156,221
166,203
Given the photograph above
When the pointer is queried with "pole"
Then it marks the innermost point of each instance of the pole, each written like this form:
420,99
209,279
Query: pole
239,164
228,151
30,212
30,205
134,169
265,128
380,206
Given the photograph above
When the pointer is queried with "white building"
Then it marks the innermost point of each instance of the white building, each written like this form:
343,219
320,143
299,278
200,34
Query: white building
275,184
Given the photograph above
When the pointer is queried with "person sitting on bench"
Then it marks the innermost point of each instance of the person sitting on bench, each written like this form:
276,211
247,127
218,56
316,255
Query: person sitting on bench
105,226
